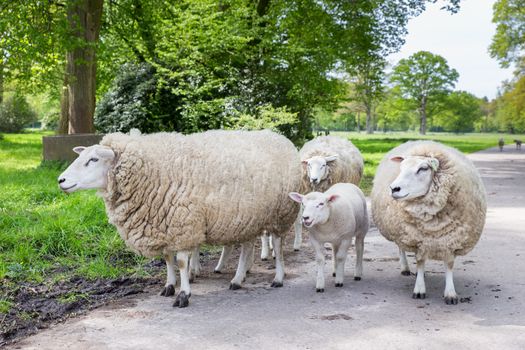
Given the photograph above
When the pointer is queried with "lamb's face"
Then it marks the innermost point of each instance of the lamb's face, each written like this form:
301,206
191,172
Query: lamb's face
316,207
89,170
415,177
317,168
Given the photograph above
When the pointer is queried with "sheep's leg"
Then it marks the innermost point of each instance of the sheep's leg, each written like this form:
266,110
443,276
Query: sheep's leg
242,267
265,246
279,261
359,249
195,265
335,248
183,298
171,280
298,228
451,298
405,270
320,259
419,288
340,254
226,252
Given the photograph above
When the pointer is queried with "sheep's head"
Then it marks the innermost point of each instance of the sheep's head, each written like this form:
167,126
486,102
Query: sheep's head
317,168
89,170
316,206
415,177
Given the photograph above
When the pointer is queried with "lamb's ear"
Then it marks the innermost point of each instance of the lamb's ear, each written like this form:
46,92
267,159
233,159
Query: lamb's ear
397,159
78,149
434,163
330,158
297,197
105,152
332,198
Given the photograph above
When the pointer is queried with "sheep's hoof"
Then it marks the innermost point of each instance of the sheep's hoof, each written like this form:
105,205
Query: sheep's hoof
217,271
264,259
338,284
319,290
451,300
276,284
419,295
357,278
405,273
333,274
168,291
296,249
182,300
235,286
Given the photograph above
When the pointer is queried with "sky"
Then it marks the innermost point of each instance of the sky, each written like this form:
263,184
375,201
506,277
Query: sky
463,39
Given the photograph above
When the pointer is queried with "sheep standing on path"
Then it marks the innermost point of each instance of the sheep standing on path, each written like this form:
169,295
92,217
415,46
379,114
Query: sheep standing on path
518,144
335,217
501,143
169,193
429,199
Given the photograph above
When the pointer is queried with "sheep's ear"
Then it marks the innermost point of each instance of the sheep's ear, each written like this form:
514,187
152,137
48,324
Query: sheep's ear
297,197
330,158
434,163
397,159
305,162
106,153
332,198
78,149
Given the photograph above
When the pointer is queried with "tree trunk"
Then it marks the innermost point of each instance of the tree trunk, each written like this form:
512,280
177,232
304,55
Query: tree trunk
358,120
63,125
423,116
1,81
369,121
84,18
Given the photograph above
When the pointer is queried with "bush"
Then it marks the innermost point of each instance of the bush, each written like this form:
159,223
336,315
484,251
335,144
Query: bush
15,113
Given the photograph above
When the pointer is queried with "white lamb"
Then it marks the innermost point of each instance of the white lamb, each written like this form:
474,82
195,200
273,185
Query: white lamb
335,217
429,199
169,193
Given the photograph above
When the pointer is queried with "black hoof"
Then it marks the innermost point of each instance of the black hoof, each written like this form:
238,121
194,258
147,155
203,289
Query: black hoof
235,286
419,295
168,291
451,300
333,274
338,284
182,300
296,250
319,290
217,271
405,273
264,259
276,284
357,278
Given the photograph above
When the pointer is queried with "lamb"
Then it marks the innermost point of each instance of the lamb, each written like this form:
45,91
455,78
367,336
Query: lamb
327,160
335,217
429,199
501,143
518,144
169,193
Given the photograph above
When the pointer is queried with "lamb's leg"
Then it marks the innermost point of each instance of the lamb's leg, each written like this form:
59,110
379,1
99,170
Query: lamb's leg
265,246
171,280
405,270
340,253
195,265
419,288
298,228
226,252
279,261
242,267
451,298
359,249
183,298
320,259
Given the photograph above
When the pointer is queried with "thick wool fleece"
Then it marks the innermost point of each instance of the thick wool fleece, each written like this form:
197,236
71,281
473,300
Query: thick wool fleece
348,167
444,223
169,192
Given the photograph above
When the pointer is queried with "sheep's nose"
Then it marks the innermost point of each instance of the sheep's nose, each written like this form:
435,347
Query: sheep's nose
305,218
61,180
395,189
314,179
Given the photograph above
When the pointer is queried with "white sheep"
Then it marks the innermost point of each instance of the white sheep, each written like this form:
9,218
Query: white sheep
327,160
169,193
335,217
429,199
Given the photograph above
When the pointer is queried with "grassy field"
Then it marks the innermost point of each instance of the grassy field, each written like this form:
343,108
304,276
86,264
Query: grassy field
47,236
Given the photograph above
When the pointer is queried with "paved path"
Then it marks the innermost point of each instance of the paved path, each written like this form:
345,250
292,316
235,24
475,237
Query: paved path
376,313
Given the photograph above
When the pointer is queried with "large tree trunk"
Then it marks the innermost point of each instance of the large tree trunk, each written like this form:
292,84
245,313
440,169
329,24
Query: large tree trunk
84,17
63,125
369,120
423,116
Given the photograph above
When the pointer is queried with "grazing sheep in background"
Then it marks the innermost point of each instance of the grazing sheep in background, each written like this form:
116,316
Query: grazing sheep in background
335,217
429,199
518,144
169,193
501,143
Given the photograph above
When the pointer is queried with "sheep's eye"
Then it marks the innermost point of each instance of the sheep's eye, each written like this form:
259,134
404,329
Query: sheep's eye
91,160
324,165
422,169
321,204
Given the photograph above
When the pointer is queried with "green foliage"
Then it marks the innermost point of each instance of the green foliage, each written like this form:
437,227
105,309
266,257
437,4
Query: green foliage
508,43
267,117
15,113
462,110
510,107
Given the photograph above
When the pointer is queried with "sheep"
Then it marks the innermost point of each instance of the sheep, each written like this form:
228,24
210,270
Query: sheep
429,199
169,193
518,144
335,217
501,143
327,160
